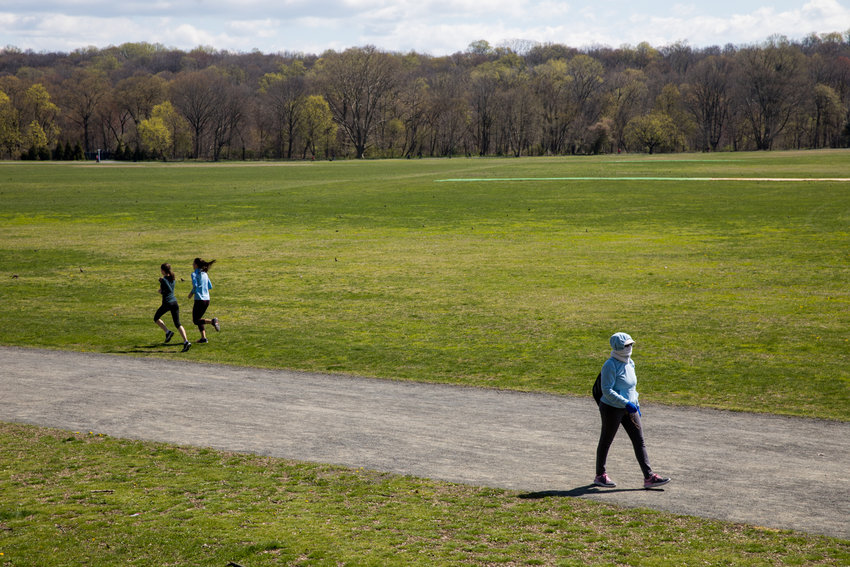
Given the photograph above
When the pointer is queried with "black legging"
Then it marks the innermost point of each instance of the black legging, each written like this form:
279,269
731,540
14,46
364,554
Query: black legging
612,418
198,310
165,307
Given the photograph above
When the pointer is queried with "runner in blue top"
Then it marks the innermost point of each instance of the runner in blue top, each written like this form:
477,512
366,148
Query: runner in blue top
201,286
169,303
619,406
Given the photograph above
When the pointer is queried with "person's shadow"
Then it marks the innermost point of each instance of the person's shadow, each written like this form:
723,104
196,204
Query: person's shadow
577,492
143,349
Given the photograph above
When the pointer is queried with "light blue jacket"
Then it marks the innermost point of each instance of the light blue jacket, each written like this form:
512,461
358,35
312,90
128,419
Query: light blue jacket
618,383
201,285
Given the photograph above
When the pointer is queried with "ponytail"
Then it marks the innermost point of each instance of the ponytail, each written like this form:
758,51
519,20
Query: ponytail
202,265
169,275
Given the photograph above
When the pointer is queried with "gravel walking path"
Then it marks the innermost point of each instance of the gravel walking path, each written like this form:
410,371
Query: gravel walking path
764,470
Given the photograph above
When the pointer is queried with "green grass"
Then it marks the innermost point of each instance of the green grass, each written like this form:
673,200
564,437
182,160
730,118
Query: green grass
735,291
85,499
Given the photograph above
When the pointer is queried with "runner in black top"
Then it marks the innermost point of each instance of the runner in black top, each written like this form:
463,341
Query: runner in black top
169,303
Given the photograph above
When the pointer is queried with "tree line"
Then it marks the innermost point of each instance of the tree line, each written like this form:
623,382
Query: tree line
146,101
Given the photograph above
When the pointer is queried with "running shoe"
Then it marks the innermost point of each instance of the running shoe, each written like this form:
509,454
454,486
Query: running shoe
168,335
204,340
655,481
186,346
216,324
604,481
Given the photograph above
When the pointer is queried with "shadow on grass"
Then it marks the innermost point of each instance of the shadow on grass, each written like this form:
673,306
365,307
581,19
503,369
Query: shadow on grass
145,349
575,492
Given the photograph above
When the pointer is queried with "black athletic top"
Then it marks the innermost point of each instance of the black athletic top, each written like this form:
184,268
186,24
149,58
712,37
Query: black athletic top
167,289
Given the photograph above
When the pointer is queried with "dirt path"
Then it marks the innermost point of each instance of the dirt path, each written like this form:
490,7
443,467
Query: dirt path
763,470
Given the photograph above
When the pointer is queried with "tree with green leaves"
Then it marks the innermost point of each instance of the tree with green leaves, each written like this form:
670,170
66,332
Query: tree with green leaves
670,102
35,138
316,125
652,132
626,99
165,116
38,108
10,135
155,136
828,116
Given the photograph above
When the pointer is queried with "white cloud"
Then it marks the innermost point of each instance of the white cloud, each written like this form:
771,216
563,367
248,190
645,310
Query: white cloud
553,8
255,28
430,26
819,16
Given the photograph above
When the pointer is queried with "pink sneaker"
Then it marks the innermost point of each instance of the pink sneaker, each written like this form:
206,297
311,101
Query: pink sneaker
604,481
655,481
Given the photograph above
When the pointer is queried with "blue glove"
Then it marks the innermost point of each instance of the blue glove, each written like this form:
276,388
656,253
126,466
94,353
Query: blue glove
631,408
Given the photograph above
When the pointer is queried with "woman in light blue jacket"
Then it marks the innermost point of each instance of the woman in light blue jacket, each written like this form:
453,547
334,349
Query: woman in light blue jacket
201,286
619,406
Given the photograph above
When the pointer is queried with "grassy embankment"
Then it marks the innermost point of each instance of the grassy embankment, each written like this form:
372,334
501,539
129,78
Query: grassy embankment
83,499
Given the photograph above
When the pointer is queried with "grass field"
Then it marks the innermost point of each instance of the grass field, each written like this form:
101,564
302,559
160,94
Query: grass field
470,271
78,498
736,291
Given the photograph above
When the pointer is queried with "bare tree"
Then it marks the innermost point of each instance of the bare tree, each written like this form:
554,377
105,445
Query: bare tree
197,96
285,92
356,83
519,109
139,94
448,113
770,82
582,89
707,99
82,93
412,108
226,117
483,90
626,99
550,83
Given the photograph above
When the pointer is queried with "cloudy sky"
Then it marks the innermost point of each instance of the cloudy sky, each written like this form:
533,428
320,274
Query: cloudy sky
435,27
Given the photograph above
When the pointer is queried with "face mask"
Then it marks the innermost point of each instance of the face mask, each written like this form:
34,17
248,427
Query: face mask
623,354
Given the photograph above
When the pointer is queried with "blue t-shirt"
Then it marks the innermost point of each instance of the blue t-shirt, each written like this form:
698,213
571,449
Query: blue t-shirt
201,285
619,383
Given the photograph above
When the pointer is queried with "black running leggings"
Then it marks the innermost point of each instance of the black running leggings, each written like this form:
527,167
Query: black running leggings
198,311
164,308
612,418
